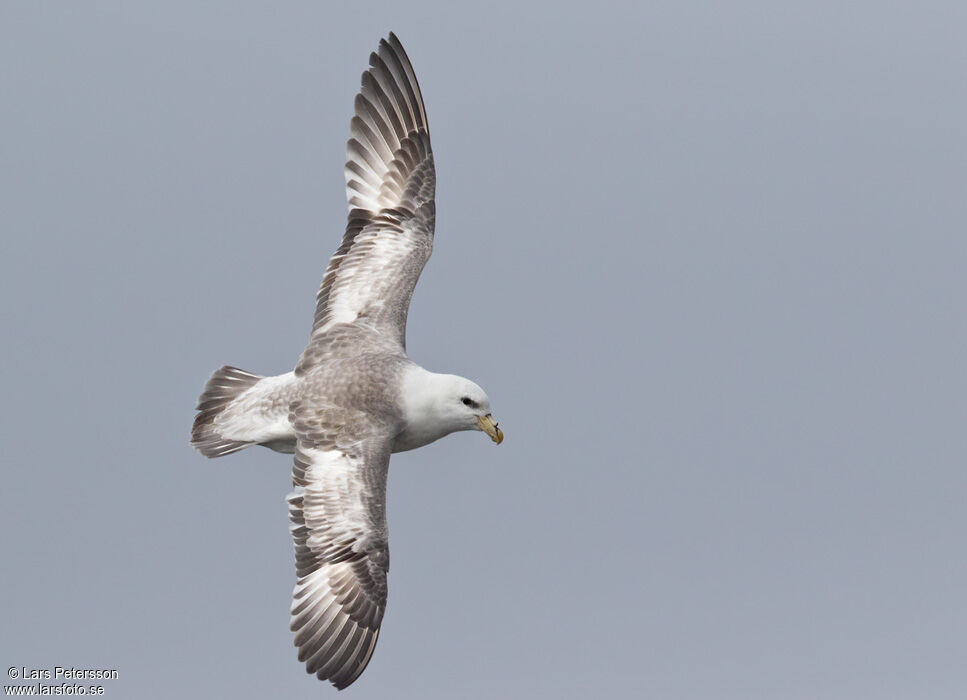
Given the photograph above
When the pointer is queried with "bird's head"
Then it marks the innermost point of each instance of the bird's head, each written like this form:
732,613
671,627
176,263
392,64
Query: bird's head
469,405
435,405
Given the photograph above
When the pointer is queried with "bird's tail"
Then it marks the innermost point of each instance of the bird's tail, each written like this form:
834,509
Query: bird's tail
208,436
238,409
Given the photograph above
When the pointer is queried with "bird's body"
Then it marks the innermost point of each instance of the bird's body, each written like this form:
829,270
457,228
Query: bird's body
354,397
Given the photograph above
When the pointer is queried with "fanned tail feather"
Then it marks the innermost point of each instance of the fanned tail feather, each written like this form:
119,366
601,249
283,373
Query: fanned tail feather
226,385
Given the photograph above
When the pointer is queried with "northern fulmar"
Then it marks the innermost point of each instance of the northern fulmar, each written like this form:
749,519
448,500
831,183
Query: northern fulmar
354,397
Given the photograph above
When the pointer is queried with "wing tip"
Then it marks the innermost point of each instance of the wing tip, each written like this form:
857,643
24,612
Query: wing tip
353,667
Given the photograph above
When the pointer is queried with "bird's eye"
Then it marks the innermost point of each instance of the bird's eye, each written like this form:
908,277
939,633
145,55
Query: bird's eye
469,402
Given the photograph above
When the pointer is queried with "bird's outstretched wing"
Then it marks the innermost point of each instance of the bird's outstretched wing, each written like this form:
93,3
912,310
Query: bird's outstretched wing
390,184
338,513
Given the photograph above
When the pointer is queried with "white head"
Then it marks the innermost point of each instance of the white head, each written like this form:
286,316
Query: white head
435,405
467,407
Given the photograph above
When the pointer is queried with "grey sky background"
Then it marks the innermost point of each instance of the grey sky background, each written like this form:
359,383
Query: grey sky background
707,260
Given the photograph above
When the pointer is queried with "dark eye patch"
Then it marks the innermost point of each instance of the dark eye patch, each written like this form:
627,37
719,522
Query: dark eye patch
469,402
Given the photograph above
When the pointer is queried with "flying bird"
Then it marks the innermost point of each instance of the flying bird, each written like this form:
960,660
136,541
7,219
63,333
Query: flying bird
354,397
